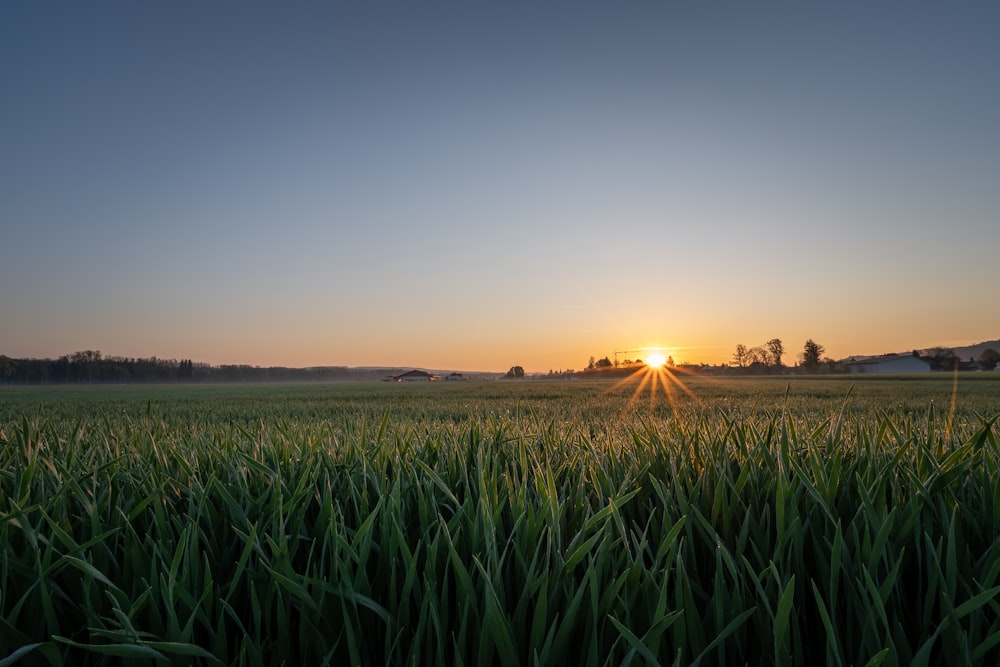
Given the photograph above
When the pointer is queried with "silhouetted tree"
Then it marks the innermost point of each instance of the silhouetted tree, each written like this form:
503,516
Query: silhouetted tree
515,372
758,355
989,358
185,369
942,359
812,353
7,368
774,351
603,363
741,357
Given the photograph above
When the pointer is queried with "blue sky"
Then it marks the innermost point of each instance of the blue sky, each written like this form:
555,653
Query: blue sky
477,186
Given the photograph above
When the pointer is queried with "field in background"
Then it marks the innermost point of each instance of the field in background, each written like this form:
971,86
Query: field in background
571,402
751,521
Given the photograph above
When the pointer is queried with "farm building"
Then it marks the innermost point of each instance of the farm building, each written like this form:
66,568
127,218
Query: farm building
455,376
415,376
888,363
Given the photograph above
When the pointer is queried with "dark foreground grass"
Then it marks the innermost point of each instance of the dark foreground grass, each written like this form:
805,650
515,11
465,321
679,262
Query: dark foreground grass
766,522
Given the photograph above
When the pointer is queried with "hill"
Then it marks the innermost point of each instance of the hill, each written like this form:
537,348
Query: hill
971,351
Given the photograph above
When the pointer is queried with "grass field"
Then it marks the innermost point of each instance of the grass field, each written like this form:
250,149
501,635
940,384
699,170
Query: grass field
752,521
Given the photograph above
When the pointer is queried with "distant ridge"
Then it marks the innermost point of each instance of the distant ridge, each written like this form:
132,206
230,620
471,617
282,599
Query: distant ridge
963,352
967,352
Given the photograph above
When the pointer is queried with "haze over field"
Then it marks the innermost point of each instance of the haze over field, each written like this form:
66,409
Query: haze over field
455,186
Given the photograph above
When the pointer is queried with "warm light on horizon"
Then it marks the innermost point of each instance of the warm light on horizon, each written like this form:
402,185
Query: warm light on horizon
656,360
655,375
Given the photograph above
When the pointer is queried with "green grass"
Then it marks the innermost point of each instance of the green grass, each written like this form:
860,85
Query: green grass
770,521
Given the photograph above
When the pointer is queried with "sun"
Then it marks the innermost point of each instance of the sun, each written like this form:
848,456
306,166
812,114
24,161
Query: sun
655,360
657,369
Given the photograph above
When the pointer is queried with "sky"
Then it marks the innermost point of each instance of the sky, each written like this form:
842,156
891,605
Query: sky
474,186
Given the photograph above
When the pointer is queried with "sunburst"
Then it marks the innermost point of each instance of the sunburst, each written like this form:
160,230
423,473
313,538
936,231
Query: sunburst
656,360
657,374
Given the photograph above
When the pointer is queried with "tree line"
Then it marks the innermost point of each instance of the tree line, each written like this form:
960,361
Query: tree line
91,367
760,357
943,359
767,358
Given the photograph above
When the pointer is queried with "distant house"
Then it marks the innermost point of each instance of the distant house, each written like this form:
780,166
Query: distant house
415,376
455,376
887,363
970,365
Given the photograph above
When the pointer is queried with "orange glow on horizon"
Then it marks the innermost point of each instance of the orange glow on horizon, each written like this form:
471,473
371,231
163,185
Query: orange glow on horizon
656,360
650,374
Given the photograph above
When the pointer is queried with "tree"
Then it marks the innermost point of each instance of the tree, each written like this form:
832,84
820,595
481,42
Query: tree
774,351
185,369
741,357
942,359
758,355
989,358
603,363
812,353
590,365
515,372
7,367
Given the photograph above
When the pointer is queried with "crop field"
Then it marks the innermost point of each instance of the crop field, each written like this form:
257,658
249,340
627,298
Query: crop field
835,520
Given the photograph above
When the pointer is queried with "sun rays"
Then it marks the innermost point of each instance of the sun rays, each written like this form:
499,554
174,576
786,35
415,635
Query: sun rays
656,360
657,375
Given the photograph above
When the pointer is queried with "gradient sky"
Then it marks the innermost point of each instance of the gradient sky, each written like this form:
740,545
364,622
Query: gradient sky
477,185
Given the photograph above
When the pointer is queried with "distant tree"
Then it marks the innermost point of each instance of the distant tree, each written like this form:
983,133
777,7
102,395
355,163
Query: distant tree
603,363
989,358
741,357
942,359
774,351
758,355
515,372
7,368
670,362
185,369
590,365
812,353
